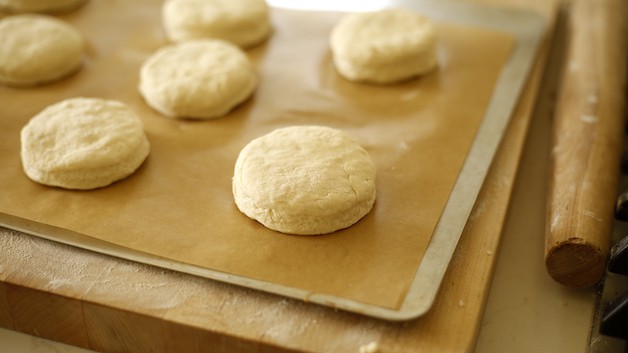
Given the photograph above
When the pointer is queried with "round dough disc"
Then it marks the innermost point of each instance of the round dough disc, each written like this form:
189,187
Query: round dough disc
83,143
20,6
199,79
242,22
37,49
383,46
304,180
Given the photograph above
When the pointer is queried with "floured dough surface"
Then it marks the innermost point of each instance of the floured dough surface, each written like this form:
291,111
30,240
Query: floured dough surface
304,180
242,22
83,143
19,6
200,79
37,49
384,46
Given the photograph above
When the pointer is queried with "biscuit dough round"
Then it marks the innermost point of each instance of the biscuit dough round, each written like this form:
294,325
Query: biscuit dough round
83,143
20,6
37,49
384,46
304,180
242,22
201,79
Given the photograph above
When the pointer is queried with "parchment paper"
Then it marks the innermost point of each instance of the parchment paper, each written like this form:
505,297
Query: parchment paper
179,205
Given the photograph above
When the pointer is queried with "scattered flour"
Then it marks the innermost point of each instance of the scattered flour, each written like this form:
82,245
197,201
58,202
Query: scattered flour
372,347
589,118
591,214
82,273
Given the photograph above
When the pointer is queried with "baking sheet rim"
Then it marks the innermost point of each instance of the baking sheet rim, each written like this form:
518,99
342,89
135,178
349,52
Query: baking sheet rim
527,28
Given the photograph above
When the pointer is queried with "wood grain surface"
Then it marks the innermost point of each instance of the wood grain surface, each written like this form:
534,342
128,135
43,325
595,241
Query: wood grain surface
111,305
587,143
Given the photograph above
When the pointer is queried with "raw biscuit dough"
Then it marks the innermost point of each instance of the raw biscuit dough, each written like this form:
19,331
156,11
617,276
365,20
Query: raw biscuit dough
20,6
384,46
242,22
83,143
304,180
37,49
201,79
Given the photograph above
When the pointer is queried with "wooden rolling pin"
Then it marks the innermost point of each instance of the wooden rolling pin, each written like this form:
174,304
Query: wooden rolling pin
587,144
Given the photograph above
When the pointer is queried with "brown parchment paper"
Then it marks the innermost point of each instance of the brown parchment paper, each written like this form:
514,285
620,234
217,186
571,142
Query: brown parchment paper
179,205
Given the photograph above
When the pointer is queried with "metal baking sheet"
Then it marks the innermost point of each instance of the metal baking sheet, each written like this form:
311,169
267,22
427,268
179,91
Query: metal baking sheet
526,28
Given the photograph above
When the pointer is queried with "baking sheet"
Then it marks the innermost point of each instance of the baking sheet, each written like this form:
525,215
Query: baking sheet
177,210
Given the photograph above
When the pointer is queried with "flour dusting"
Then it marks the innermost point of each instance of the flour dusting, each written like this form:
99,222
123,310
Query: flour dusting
81,273
589,118
591,214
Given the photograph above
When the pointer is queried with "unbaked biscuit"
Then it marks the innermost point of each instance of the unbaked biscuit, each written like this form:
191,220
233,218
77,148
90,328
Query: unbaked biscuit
304,180
384,46
201,79
21,6
242,22
37,49
83,143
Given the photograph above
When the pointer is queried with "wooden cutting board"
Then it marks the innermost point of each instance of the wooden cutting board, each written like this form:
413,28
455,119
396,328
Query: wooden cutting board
99,302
